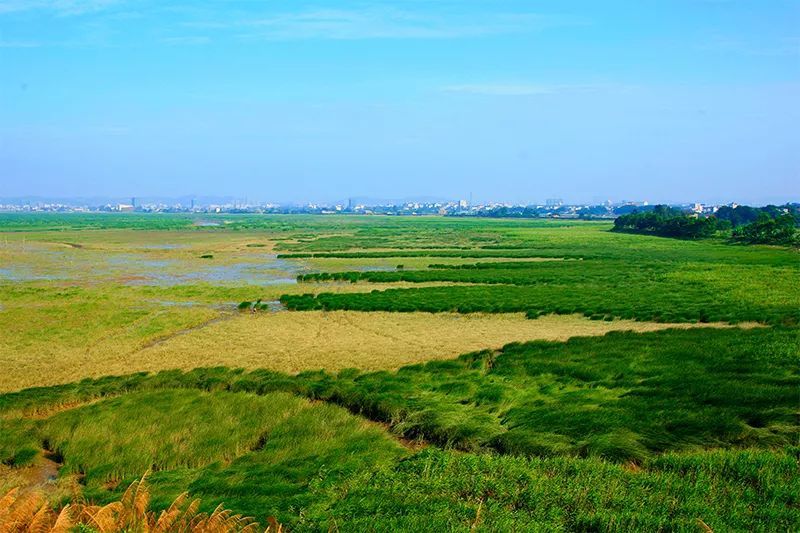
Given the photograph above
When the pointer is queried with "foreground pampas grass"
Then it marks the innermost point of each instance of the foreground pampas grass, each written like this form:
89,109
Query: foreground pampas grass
30,512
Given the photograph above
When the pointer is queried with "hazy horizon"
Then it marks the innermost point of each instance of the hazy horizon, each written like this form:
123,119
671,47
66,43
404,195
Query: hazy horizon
691,100
205,200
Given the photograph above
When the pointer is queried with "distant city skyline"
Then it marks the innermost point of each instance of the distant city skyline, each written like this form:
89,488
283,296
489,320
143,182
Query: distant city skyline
203,202
317,101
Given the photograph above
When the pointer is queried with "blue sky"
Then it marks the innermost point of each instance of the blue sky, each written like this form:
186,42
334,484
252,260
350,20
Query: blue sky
519,101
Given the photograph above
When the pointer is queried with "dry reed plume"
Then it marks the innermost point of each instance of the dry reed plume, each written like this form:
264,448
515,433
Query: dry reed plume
29,512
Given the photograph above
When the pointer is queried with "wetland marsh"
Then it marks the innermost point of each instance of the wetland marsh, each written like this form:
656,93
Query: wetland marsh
426,353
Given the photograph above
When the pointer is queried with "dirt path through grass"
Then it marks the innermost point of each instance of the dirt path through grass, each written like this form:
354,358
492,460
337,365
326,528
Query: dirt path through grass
161,340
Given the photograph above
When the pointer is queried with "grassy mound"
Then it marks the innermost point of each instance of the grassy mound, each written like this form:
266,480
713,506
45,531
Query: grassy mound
257,453
624,396
649,431
125,436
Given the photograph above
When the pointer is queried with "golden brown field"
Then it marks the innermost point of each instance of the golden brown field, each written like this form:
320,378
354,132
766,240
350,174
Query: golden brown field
297,341
294,342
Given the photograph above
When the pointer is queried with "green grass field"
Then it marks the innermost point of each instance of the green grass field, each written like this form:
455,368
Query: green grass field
679,429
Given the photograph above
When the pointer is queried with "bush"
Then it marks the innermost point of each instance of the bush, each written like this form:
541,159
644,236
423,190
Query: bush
667,222
766,230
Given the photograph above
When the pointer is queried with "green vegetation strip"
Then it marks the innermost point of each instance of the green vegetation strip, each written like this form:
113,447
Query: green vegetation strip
691,295
632,431
619,276
484,253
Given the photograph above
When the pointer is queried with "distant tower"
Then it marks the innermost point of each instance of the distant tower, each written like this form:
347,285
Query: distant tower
133,201
349,204
192,203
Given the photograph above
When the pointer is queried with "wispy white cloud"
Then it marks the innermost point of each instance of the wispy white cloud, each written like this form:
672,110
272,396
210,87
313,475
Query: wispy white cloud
499,89
214,22
378,23
59,7
186,40
531,89
787,46
20,44
114,131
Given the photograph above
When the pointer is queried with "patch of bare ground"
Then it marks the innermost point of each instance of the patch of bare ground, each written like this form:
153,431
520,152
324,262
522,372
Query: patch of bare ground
41,475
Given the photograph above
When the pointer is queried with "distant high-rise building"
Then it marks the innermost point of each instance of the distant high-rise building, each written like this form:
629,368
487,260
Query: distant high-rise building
554,202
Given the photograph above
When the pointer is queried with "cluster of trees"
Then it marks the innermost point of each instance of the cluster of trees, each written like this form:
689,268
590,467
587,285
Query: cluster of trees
768,230
744,214
668,222
751,225
516,212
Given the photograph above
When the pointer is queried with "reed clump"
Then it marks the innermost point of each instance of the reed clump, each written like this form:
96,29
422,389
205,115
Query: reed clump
22,511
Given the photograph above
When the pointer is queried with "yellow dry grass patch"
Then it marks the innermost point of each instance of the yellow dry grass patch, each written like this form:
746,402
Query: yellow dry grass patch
296,341
53,337
41,349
